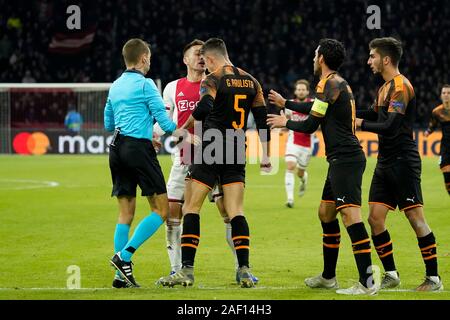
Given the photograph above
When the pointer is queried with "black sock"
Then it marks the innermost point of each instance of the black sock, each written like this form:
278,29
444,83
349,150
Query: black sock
190,238
427,246
331,241
240,235
447,181
361,250
383,245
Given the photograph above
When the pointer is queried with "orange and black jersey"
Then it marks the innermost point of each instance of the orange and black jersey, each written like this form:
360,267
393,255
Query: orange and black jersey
334,110
235,94
441,115
393,115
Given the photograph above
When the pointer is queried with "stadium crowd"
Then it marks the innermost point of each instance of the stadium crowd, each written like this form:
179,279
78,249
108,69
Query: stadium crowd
272,39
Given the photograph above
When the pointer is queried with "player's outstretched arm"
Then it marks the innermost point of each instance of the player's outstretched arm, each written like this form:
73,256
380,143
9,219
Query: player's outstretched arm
396,111
281,121
367,114
302,107
278,100
387,127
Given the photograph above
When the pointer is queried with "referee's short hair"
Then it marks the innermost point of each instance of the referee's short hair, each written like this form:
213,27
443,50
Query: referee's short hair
133,50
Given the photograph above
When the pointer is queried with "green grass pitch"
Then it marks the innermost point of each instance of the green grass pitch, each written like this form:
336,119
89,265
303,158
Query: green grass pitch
45,229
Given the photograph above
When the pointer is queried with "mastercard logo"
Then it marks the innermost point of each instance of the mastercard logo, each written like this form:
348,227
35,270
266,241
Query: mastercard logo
31,143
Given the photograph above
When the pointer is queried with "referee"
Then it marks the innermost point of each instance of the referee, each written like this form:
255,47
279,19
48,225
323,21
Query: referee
134,104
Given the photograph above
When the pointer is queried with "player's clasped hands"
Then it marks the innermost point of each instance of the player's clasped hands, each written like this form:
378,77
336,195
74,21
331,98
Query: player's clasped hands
277,121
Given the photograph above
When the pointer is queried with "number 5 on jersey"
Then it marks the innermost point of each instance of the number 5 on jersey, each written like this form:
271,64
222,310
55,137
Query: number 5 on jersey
240,110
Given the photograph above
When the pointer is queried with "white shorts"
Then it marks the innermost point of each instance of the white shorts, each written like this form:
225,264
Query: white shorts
176,182
300,155
215,193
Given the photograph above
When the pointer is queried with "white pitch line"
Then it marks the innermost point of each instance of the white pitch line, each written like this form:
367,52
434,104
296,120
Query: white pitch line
164,288
412,290
52,289
36,184
198,287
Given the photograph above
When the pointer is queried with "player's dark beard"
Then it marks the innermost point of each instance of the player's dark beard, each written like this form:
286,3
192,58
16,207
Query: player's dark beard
318,72
379,72
380,68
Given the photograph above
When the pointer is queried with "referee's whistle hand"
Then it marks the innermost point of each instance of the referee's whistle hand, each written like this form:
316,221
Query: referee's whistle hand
157,145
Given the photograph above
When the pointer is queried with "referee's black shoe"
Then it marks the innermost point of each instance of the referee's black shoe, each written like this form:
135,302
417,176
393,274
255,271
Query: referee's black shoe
119,283
125,269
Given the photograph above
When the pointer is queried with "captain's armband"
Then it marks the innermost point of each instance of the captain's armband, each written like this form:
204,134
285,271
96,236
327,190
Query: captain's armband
319,108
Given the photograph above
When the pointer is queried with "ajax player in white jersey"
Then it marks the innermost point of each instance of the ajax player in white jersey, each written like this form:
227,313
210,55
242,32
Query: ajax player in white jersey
181,97
298,145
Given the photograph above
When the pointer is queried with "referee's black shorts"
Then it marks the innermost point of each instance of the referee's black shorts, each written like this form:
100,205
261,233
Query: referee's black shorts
133,162
343,184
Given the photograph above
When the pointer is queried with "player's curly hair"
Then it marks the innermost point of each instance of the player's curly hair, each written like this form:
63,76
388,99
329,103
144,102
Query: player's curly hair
333,53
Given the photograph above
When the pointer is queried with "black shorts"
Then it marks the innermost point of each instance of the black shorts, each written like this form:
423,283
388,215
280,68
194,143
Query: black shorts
133,162
343,184
397,185
224,174
444,160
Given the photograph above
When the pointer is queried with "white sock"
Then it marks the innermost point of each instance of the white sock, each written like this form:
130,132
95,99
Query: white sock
230,243
435,279
289,182
173,238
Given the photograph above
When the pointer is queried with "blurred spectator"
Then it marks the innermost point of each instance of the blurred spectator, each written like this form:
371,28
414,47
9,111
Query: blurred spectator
28,78
73,120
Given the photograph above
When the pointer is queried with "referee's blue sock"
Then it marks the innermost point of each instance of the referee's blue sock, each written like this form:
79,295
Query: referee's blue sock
145,229
120,238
